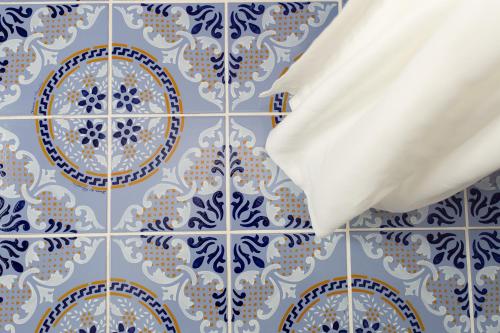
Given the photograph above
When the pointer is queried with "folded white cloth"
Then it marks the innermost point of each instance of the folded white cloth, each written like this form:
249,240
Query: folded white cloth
396,105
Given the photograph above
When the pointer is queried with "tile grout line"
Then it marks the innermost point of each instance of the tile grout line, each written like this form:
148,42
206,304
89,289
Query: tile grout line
225,232
109,171
349,279
146,115
469,267
229,288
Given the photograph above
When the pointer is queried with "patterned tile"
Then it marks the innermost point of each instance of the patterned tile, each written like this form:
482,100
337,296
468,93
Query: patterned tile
261,194
168,173
52,176
52,285
485,261
409,281
289,283
484,201
265,38
53,59
446,213
176,283
168,58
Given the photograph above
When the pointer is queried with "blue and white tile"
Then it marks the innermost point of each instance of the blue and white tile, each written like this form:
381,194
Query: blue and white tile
265,39
446,213
289,283
168,283
53,285
262,196
52,176
484,201
168,174
485,261
168,58
410,281
53,59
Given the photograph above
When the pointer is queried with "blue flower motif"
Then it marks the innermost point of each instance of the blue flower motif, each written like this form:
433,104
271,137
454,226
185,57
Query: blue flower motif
91,99
367,328
126,131
123,329
333,328
245,18
92,133
2,172
126,98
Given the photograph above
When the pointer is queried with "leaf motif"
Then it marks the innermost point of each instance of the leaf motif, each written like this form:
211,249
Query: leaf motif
198,202
19,206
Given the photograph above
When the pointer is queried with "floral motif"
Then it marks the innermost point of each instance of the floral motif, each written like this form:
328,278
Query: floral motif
30,200
189,194
192,44
91,99
92,133
126,131
266,38
262,195
429,266
33,40
126,98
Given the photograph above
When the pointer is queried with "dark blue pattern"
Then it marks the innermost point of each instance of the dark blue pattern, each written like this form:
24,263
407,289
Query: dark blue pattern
247,212
91,99
12,22
157,9
3,65
484,208
207,18
292,7
10,252
11,217
448,246
248,250
58,10
210,214
208,251
333,328
368,327
126,131
486,248
126,98
244,18
92,133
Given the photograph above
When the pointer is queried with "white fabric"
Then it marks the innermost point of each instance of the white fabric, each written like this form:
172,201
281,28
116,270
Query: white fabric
396,105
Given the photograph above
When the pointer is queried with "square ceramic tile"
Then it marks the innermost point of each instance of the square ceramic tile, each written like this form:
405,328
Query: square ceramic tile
484,201
261,194
168,174
485,261
53,285
446,213
409,281
289,283
168,283
168,58
265,39
53,59
53,175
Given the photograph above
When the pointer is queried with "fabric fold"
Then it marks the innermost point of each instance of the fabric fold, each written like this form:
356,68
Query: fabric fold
395,105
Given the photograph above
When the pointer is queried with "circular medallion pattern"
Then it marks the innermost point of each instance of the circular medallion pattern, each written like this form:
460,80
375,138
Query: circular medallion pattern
79,87
376,307
133,309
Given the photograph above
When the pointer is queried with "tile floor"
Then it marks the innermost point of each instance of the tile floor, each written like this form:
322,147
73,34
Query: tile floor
136,194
